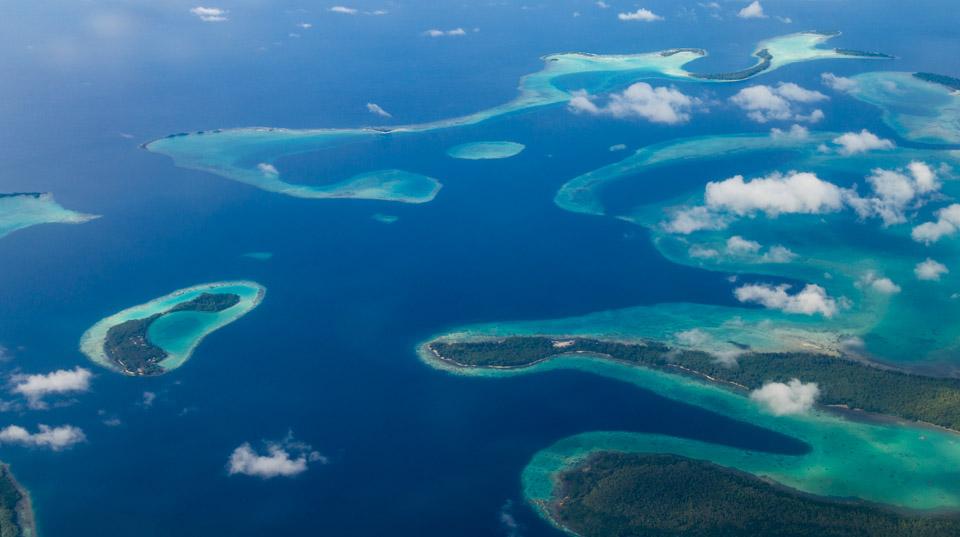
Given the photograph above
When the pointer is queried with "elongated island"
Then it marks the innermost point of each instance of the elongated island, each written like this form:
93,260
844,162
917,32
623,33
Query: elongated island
161,335
16,510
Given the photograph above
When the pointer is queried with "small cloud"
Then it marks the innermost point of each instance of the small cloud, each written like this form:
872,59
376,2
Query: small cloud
509,521
210,14
838,83
344,10
148,399
268,169
796,132
778,254
375,108
777,103
752,11
811,300
852,143
54,438
687,220
946,224
641,100
287,458
643,15
304,25
794,193
737,245
785,20
63,381
880,284
617,147
930,270
441,33
700,252
781,399
602,5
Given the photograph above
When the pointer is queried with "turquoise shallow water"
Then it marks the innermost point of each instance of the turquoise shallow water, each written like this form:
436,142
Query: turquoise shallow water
178,333
25,210
485,150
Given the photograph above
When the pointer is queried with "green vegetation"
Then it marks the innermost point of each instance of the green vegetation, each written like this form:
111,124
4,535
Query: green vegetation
948,81
210,302
21,194
763,65
128,346
619,495
671,52
842,382
862,53
16,514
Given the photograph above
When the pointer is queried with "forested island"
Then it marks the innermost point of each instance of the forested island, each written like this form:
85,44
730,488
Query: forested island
616,495
862,53
127,344
943,80
16,511
843,382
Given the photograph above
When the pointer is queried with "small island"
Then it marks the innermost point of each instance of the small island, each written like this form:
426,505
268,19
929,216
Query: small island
612,494
944,80
16,510
154,338
846,385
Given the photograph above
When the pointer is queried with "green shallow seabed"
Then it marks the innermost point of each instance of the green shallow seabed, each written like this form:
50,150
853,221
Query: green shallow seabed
177,333
835,250
247,154
22,210
485,150
917,110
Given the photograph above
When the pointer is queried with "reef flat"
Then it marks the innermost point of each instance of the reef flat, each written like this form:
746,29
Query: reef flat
248,155
161,335
614,494
485,150
844,382
16,510
921,107
24,209
842,250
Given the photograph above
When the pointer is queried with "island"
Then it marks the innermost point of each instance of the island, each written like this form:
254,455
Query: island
765,61
943,80
20,210
16,510
849,386
157,337
612,494
863,54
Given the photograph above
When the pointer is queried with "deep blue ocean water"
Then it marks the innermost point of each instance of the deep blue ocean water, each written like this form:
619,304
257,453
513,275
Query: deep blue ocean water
329,353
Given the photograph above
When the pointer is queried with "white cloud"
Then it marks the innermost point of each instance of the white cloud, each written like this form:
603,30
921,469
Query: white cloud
895,191
148,399
796,192
375,108
737,245
63,381
441,33
282,459
602,5
689,219
811,300
796,132
617,147
644,15
930,270
210,14
852,143
344,10
778,254
947,223
304,25
693,337
768,103
55,438
794,397
880,284
700,252
268,169
838,83
752,11
659,105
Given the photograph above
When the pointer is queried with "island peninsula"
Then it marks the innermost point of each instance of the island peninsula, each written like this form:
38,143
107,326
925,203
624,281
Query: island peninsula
159,336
